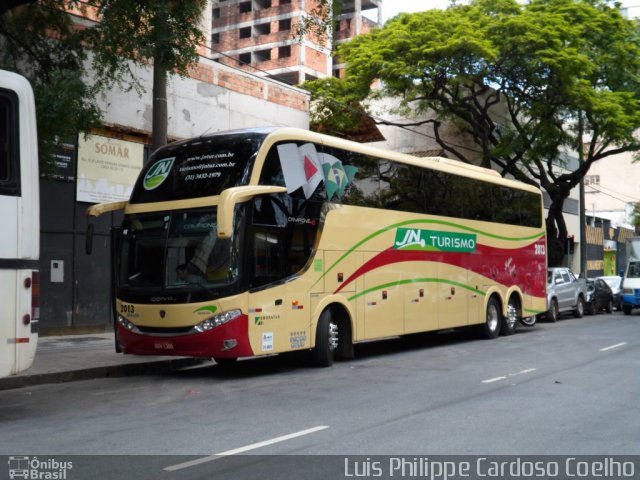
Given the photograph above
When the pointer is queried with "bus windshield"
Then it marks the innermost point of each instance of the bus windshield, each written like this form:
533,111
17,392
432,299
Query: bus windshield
176,251
197,168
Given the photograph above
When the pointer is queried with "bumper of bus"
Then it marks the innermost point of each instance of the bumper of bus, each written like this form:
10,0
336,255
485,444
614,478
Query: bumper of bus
230,340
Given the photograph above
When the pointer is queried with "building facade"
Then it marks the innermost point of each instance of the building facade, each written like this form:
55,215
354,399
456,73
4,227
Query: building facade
261,36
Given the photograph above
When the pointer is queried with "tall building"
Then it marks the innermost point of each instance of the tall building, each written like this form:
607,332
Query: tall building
260,36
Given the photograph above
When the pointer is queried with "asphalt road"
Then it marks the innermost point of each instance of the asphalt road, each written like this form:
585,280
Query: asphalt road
569,388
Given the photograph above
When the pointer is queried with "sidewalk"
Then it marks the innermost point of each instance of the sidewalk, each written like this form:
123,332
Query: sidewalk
82,357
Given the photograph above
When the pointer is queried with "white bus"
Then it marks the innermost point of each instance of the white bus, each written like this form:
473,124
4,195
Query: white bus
20,225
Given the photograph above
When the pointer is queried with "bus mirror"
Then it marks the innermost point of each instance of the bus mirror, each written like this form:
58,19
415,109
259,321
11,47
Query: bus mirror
231,197
88,246
96,211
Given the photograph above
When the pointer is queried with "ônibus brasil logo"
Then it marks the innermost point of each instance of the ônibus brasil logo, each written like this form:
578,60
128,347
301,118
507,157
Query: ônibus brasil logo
416,239
158,173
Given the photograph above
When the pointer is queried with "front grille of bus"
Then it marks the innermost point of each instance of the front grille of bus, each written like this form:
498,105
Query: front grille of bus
166,331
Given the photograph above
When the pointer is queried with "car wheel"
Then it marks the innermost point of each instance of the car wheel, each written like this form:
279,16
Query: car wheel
510,322
493,320
626,309
609,308
578,312
529,321
327,338
552,313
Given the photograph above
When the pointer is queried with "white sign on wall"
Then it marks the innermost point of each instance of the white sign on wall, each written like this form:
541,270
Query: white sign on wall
107,168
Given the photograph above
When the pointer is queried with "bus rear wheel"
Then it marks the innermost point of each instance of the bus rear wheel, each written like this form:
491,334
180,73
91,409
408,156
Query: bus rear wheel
327,341
493,320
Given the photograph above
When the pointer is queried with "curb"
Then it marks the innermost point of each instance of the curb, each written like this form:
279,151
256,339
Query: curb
112,371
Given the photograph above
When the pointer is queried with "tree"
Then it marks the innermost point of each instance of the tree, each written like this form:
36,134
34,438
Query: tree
165,33
38,40
43,42
528,83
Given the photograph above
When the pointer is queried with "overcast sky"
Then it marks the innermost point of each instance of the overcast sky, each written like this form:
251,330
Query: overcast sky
391,8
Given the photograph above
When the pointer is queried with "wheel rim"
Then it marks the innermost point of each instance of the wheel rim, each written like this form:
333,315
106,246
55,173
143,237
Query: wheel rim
492,318
333,336
512,315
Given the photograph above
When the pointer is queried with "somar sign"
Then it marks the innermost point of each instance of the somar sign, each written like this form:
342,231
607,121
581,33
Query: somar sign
107,168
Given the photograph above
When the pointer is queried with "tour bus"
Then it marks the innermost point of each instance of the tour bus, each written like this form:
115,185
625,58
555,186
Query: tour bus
269,240
20,229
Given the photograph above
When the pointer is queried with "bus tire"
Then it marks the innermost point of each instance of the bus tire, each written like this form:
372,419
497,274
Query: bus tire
626,309
327,341
493,320
510,322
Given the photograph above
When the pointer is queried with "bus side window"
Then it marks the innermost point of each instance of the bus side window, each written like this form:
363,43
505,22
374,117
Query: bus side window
9,159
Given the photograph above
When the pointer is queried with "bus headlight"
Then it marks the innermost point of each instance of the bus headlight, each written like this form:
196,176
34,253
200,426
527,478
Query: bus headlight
217,320
127,324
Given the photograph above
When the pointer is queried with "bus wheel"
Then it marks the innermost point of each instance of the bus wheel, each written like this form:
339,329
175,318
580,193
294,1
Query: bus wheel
327,338
493,320
510,323
626,309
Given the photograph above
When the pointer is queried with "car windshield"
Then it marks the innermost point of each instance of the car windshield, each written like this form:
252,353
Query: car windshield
175,251
613,282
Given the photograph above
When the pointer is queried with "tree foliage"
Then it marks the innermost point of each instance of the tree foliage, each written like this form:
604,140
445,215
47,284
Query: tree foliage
528,83
54,50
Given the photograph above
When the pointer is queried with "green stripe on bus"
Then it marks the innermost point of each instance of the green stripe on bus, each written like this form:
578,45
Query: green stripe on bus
416,280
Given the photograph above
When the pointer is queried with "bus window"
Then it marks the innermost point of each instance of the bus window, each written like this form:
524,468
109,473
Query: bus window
9,158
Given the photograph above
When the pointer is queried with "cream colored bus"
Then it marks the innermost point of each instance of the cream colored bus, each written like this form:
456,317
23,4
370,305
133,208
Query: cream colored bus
20,225
269,240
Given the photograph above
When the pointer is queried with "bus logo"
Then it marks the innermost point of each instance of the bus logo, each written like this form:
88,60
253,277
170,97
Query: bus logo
416,239
158,173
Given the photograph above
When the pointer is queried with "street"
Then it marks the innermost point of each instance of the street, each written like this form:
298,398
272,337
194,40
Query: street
565,388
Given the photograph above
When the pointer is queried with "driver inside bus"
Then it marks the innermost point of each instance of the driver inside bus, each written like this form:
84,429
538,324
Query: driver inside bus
184,276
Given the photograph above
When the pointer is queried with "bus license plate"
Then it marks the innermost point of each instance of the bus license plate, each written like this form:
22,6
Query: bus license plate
163,345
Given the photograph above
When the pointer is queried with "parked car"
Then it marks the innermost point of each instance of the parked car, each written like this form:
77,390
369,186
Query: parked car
599,297
615,283
565,293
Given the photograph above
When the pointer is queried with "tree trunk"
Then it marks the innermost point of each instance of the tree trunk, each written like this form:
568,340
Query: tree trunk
159,123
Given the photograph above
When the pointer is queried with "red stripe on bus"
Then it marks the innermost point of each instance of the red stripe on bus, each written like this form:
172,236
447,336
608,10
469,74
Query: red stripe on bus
508,266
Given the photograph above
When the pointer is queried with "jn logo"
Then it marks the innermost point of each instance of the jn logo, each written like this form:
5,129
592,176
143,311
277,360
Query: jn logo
416,239
158,173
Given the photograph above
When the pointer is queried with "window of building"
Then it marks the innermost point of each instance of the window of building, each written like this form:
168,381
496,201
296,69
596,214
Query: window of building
285,2
592,180
244,58
245,32
284,52
263,4
263,28
215,38
245,7
215,13
263,55
284,25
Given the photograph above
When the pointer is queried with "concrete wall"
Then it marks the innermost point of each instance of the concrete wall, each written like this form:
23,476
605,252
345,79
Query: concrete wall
217,98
